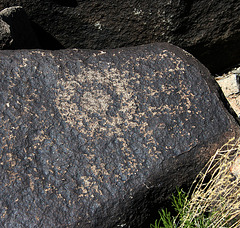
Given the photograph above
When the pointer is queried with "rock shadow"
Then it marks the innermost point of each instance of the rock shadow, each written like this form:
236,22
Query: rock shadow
46,40
69,3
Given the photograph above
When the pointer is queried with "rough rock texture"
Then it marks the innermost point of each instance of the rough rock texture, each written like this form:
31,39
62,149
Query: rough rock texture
100,138
5,37
210,30
15,30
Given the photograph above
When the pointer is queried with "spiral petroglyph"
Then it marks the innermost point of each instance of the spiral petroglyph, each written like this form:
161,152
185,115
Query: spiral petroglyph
88,109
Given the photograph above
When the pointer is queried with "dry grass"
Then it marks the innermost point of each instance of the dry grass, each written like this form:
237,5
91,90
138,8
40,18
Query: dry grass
218,199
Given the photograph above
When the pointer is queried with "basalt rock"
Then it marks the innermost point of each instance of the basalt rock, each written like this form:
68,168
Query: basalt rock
208,30
5,37
15,30
101,138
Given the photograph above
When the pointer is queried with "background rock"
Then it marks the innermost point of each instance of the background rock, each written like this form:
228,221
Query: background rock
208,30
101,138
230,85
5,37
15,30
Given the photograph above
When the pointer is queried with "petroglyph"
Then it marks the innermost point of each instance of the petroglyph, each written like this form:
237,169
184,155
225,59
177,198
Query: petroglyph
79,127
96,101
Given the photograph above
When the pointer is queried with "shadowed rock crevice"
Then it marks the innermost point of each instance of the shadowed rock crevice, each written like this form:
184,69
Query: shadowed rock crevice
16,31
46,40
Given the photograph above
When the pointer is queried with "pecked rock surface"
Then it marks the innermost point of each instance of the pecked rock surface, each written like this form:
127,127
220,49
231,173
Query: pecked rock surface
100,138
210,30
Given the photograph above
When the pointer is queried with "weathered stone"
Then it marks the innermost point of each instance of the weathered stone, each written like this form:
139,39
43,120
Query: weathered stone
229,85
100,138
208,30
17,30
5,37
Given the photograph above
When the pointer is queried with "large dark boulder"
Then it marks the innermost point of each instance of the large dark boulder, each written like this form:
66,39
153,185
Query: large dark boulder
16,31
210,30
100,138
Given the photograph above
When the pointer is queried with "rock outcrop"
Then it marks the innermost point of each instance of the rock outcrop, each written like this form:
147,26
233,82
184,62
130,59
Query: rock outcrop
15,30
208,30
100,138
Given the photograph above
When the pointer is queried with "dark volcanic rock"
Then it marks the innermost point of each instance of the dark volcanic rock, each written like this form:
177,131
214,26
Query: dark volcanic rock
99,138
15,30
5,37
210,30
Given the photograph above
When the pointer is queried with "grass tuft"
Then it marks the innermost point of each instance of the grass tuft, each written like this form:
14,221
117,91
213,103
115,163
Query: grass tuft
213,203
